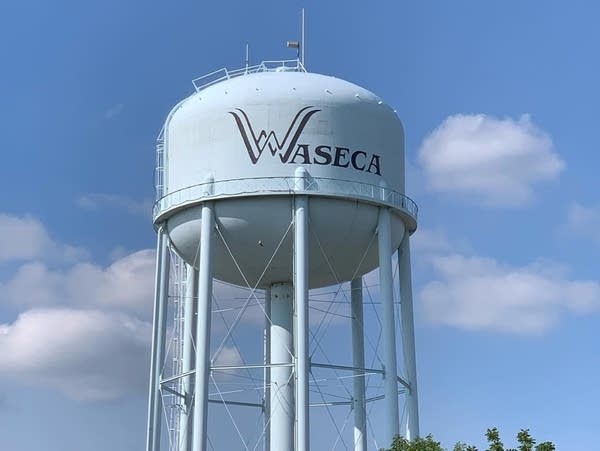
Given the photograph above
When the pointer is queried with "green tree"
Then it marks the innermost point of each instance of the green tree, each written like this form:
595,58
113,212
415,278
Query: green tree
493,438
464,447
419,444
524,438
545,446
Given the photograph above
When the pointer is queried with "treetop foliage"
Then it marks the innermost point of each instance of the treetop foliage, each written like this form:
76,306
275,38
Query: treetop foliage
525,440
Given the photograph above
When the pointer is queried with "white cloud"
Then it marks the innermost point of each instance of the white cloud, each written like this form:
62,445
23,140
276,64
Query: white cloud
493,161
84,354
228,356
26,238
426,241
584,221
98,201
126,285
80,342
480,293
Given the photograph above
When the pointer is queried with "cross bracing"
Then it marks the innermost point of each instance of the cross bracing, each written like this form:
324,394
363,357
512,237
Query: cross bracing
238,387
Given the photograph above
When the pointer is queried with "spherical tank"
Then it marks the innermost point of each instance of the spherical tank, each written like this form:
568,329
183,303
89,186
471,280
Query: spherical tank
252,143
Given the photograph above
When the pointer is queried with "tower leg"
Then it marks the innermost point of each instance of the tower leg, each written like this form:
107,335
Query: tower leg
159,330
384,239
282,382
267,372
188,361
358,361
408,337
301,285
205,275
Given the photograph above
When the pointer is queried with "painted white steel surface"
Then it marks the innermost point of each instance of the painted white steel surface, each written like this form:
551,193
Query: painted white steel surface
358,361
205,278
267,372
408,338
159,330
388,324
301,269
249,134
254,228
282,379
216,130
188,360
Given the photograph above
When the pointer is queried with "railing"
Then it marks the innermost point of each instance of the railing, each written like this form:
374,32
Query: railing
266,66
159,170
320,186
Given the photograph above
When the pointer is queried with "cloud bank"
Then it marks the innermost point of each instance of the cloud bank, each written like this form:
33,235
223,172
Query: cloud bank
26,238
495,162
83,328
478,293
125,285
87,355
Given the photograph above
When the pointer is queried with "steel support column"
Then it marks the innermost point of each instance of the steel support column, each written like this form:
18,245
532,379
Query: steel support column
358,361
267,372
408,337
188,360
159,329
384,239
301,286
203,322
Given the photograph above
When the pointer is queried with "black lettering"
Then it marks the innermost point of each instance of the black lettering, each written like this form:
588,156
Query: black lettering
341,152
375,163
354,157
323,152
301,150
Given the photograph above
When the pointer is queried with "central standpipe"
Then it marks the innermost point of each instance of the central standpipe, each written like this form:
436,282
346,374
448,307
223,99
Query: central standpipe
281,427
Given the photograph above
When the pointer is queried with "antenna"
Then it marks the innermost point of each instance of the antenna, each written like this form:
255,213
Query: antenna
299,45
247,60
302,40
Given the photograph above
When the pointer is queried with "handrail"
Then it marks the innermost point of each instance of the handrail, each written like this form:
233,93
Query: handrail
320,186
225,74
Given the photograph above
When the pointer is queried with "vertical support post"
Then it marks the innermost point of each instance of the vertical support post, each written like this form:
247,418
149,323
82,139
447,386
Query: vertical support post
301,298
159,329
282,352
408,337
358,361
188,360
384,239
302,40
267,372
203,323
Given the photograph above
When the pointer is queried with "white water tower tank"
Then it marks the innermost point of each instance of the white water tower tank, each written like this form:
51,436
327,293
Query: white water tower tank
241,142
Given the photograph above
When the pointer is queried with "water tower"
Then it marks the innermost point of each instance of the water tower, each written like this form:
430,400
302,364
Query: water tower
281,182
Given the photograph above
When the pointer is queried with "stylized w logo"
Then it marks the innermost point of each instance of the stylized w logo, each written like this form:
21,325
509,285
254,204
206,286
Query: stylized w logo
256,144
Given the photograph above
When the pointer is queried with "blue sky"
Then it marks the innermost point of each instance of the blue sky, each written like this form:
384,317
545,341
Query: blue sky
505,277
